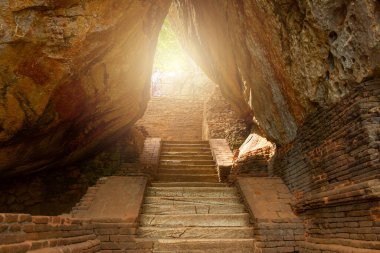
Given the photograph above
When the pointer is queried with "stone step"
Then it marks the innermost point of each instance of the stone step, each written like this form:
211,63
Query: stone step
196,232
180,156
190,154
193,209
185,149
218,192
186,166
204,245
187,162
202,145
191,171
187,184
185,142
188,178
191,201
191,220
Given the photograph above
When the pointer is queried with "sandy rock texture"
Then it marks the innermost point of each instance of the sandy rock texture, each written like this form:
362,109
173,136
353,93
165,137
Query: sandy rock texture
72,73
282,58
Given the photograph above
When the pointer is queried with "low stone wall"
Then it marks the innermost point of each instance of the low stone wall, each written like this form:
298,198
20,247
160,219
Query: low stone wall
21,233
222,156
277,227
333,169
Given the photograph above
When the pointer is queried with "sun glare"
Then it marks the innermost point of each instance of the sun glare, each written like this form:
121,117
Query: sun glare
170,57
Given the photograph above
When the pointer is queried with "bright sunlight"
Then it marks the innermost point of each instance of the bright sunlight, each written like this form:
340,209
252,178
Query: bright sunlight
170,57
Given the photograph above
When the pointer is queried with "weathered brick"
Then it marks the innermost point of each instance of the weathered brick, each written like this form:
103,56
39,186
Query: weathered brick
121,238
9,218
40,219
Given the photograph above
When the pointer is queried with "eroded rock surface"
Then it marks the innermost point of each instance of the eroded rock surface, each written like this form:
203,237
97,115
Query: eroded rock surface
283,58
72,73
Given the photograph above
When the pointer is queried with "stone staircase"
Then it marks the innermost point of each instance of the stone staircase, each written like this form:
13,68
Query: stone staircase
188,210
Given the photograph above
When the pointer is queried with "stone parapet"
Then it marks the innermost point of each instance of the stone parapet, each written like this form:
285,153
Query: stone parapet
222,156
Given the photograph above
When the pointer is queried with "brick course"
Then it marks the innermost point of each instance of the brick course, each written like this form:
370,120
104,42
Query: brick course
20,233
333,169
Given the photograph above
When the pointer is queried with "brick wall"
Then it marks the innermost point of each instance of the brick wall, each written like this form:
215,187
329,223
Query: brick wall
20,233
277,228
222,156
333,169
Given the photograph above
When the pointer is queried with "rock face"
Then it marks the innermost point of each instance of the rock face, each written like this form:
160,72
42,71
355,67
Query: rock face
72,73
283,59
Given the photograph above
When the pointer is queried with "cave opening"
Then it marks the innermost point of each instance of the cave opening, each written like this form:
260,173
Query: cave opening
179,89
174,73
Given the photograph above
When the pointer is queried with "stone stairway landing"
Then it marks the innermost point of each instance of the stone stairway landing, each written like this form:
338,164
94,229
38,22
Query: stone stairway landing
188,210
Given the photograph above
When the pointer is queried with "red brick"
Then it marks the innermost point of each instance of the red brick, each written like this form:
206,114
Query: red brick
11,218
40,219
24,218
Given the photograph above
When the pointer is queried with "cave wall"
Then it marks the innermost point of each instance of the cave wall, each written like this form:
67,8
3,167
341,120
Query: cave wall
332,168
282,59
72,74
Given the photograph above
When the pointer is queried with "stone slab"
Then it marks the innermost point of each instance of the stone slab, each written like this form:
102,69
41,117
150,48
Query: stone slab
196,232
264,197
193,209
119,197
192,220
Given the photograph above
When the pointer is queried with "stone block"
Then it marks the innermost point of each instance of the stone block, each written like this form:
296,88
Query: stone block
40,219
9,218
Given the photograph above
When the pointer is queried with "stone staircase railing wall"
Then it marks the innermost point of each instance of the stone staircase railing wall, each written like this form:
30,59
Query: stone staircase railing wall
277,227
333,169
222,156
